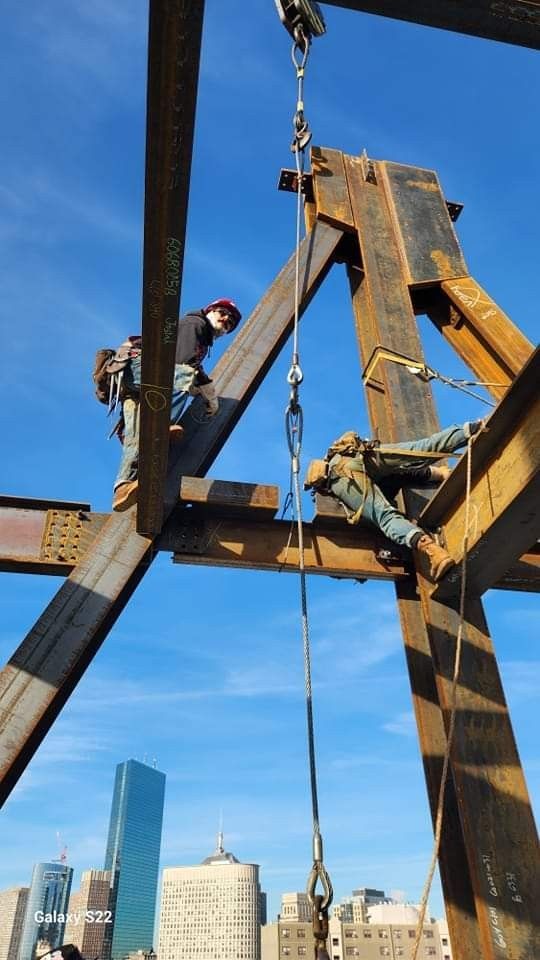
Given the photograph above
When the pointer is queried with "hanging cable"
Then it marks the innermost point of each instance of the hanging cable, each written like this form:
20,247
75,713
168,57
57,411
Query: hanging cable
294,427
453,711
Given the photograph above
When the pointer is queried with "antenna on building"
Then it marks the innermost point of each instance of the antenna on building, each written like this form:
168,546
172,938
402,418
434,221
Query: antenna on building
145,758
154,763
220,847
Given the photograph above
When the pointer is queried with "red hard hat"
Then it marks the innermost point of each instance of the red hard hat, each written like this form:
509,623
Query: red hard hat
228,305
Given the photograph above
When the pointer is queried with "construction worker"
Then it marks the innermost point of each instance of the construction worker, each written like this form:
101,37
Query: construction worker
365,480
197,331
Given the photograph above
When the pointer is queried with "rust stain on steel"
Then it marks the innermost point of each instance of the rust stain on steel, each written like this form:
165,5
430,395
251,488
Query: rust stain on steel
442,262
427,185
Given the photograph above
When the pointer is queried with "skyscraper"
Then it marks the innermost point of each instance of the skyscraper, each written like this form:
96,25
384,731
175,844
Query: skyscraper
49,895
12,912
132,855
211,911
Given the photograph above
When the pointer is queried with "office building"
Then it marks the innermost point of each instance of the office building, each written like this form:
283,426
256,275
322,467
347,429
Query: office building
211,911
48,897
132,856
89,914
354,909
12,910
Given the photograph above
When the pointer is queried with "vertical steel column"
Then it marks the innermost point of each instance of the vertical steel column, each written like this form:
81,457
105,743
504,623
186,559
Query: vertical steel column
174,43
498,836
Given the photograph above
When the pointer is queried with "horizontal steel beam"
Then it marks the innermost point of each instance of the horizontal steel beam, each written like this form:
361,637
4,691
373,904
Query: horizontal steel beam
510,21
505,489
216,540
55,543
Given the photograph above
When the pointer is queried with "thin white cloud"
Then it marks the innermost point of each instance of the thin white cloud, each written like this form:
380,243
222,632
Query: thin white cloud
403,724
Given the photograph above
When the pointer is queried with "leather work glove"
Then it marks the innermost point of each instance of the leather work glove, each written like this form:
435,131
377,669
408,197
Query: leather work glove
208,392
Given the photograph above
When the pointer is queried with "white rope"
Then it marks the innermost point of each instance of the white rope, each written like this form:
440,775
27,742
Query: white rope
453,710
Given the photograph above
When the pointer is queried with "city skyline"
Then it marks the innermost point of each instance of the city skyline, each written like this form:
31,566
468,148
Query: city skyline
204,668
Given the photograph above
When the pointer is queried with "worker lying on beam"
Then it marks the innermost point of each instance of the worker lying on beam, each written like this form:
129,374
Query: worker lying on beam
117,376
365,476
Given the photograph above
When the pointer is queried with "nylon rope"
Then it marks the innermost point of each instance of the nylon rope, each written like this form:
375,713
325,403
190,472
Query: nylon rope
453,711
294,432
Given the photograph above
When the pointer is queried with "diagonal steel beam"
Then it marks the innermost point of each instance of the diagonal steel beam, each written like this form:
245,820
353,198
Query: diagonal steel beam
511,21
45,669
505,490
174,44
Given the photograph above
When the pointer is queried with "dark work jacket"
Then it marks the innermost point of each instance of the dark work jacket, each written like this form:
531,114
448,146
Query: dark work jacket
195,337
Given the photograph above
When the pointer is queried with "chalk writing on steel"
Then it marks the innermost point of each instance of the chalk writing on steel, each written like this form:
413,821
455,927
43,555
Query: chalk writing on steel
496,928
172,267
155,399
471,297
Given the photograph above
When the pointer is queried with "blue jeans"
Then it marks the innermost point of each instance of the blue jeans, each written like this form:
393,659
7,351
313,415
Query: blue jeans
184,376
377,508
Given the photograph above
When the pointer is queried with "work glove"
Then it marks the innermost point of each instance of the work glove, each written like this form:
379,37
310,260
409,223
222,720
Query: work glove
208,393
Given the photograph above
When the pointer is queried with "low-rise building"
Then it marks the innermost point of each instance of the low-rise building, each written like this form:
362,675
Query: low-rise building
12,910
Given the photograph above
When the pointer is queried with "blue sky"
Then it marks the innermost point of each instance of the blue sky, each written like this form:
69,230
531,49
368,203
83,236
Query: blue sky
204,668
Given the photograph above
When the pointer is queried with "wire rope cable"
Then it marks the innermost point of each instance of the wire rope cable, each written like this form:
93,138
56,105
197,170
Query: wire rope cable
294,427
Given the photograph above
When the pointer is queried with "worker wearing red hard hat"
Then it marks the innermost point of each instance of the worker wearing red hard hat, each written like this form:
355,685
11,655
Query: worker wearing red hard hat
197,331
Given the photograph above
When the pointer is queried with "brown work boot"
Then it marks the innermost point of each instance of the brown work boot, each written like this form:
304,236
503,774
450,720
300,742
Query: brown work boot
176,433
439,474
125,496
439,560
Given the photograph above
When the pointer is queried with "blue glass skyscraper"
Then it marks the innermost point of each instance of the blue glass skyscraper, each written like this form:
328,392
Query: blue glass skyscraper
48,897
132,855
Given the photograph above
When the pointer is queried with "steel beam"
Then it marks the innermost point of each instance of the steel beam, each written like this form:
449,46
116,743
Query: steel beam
511,21
505,490
44,670
175,31
488,857
212,539
36,542
478,330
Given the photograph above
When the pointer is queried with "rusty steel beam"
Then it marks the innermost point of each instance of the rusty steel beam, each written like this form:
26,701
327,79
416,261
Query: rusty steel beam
489,843
33,503
40,542
214,539
477,329
45,669
510,21
505,490
174,44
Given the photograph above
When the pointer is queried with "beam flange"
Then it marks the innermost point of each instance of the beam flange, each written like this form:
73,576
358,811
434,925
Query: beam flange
505,490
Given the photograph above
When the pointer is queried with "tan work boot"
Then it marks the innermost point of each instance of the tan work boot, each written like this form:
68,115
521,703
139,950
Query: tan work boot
125,496
439,560
176,433
439,474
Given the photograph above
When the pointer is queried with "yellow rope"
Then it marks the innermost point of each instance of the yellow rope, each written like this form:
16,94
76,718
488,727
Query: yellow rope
453,706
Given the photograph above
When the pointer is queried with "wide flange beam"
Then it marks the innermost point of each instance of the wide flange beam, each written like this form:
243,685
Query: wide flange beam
175,32
511,21
505,490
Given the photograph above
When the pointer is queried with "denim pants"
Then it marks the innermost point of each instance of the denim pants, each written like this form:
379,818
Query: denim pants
184,376
377,508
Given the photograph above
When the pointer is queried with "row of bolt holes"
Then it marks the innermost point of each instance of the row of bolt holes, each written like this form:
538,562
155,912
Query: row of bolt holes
63,540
